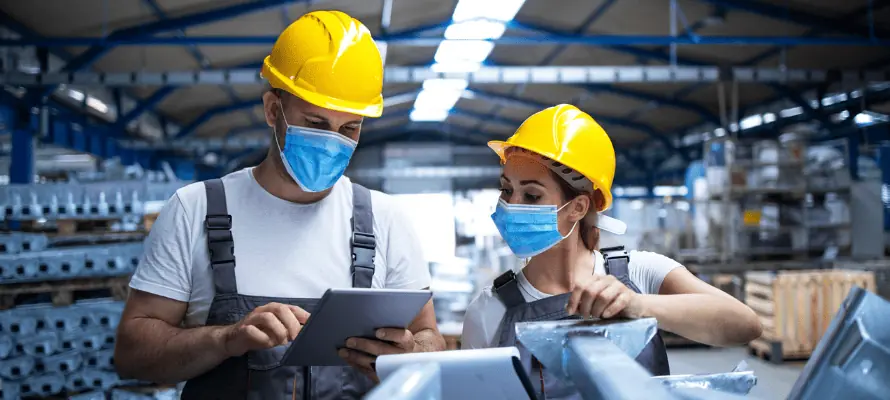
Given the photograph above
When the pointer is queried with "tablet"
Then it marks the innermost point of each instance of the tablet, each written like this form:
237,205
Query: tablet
346,313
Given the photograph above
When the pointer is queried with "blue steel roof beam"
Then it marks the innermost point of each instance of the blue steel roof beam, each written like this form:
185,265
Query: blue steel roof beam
92,54
202,60
143,106
797,16
703,112
548,59
513,102
816,31
209,114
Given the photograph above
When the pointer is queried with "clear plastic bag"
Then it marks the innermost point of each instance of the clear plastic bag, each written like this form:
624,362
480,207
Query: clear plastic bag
740,381
547,340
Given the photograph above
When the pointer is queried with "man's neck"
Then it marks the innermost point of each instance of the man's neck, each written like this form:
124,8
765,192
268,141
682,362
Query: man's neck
554,271
272,177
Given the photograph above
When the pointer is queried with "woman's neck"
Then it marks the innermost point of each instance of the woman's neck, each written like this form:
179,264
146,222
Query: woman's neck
553,271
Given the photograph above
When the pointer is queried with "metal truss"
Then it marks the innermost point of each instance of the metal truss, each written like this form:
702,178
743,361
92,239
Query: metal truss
485,75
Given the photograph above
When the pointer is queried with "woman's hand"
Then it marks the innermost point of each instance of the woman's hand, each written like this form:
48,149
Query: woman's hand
604,296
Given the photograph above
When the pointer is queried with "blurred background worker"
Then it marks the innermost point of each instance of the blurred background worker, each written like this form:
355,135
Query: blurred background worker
219,318
557,179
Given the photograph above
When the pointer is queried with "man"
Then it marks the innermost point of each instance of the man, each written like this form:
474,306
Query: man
296,227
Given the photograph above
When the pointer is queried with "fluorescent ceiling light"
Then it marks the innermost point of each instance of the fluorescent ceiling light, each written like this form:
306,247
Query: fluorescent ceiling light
445,84
479,30
863,119
428,115
501,10
75,94
463,51
97,104
437,99
769,118
456,67
791,112
752,121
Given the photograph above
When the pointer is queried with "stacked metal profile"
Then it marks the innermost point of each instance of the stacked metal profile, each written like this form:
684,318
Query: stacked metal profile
45,349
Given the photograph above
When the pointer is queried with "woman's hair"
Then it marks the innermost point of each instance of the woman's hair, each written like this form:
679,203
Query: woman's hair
590,234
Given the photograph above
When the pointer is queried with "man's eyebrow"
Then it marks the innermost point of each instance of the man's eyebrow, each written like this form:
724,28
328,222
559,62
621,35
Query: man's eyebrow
313,115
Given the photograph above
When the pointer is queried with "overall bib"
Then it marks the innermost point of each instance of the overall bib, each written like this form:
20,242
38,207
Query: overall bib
653,357
258,374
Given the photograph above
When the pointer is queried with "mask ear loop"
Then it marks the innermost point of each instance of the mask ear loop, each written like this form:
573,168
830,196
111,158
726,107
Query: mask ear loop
573,225
275,127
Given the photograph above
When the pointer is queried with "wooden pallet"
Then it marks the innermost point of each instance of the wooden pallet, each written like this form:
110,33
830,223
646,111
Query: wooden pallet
148,220
70,226
796,307
774,352
64,293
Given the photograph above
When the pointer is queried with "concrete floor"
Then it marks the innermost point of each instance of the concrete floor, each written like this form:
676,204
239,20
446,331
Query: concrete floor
774,382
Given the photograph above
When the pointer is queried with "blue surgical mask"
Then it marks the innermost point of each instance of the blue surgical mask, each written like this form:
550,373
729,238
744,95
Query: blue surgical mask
314,158
529,230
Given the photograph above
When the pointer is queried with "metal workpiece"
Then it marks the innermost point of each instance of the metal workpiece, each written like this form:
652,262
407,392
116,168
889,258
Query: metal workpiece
547,341
601,370
731,382
852,360
500,74
414,382
73,262
94,200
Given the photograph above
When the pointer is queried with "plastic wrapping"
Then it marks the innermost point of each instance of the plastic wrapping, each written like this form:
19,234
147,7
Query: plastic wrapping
547,340
739,381
414,382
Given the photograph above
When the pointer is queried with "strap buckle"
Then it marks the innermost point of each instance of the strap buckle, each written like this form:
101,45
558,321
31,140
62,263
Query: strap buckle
364,240
504,279
614,253
218,222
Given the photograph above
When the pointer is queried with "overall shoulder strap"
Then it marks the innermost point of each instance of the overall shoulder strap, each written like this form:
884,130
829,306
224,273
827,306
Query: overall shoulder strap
363,242
506,287
617,261
220,243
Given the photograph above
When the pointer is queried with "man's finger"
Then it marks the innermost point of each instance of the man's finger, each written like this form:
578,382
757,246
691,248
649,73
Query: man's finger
269,323
358,359
258,338
604,298
301,314
402,337
374,347
289,320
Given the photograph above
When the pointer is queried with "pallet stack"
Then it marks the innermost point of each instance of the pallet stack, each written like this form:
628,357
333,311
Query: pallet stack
796,307
65,262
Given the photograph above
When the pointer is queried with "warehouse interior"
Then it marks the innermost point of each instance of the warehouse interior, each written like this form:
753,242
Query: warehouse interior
752,144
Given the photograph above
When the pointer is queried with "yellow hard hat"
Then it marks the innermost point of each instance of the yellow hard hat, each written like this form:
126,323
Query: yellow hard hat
330,60
570,138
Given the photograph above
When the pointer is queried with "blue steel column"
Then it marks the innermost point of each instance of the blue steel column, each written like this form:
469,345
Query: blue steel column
21,167
884,164
853,154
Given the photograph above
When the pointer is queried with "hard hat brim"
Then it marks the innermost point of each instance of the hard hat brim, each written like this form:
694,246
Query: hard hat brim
278,81
500,148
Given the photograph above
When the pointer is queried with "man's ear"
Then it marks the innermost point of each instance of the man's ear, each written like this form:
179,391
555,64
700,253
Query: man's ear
270,108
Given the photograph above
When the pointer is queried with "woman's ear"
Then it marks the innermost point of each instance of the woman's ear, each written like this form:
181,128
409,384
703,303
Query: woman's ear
579,208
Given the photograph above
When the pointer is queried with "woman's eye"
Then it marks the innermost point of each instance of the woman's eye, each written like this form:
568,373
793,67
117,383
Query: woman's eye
506,191
531,198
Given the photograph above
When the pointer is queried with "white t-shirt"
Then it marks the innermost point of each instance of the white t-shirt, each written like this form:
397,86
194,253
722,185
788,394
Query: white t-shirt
484,314
282,249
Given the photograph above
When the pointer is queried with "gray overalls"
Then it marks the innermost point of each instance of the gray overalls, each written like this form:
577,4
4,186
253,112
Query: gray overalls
258,375
653,357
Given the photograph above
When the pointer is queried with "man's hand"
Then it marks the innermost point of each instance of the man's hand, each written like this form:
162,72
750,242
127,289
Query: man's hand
362,353
603,296
267,326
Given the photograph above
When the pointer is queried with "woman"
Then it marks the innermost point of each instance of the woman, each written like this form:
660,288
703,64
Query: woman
558,172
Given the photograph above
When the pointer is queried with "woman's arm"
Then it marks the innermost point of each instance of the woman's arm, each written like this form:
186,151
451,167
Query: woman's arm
696,310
